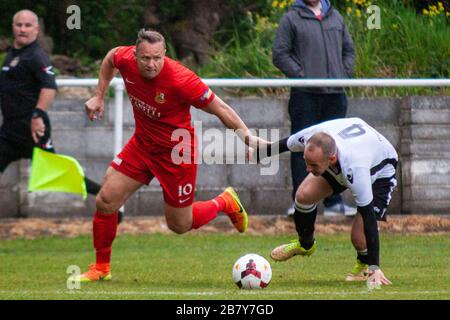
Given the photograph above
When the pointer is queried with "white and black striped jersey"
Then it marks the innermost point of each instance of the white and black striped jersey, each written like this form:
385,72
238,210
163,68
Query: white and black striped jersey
364,155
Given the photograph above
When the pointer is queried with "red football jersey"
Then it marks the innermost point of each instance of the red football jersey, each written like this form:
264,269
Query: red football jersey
162,104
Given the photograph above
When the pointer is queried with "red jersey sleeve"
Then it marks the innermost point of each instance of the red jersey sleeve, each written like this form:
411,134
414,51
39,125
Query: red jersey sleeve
196,92
121,54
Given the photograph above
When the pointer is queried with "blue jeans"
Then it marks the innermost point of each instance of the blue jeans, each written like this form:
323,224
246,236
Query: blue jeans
308,109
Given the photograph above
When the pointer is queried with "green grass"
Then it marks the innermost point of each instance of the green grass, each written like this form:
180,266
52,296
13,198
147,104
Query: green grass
198,266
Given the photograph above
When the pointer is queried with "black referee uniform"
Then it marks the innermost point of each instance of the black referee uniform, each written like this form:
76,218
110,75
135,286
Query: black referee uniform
24,73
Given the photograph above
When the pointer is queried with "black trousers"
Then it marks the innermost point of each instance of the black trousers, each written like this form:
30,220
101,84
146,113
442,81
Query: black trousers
308,109
13,149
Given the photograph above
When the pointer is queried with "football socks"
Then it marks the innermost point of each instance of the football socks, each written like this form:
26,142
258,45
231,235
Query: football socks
104,232
305,218
205,211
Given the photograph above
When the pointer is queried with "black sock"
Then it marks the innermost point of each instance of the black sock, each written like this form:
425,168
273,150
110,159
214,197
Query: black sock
305,218
91,186
362,257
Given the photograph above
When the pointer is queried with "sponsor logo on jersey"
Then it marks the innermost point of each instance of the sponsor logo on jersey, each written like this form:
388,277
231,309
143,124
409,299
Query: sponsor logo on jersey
14,62
148,110
301,140
48,70
206,95
159,98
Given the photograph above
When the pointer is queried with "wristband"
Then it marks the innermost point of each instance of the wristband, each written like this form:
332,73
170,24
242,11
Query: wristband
38,113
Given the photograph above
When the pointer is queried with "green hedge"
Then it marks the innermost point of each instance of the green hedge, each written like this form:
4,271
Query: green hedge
413,41
408,45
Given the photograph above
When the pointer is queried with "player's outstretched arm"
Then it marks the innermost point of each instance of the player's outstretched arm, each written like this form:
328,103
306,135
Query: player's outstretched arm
96,105
376,276
271,149
231,120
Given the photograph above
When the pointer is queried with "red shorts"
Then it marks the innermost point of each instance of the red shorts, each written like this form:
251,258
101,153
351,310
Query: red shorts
177,180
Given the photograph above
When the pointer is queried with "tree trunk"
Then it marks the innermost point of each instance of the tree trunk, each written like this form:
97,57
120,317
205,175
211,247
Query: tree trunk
193,35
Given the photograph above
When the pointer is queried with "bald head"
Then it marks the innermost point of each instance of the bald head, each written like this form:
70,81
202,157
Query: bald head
26,13
25,27
323,141
320,153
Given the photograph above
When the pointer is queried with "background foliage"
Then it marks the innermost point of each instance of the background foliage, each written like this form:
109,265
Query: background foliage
413,42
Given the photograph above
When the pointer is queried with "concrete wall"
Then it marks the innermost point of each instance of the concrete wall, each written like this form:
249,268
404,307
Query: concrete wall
415,126
425,151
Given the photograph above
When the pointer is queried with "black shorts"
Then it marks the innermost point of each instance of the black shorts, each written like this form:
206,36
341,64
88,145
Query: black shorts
382,193
12,149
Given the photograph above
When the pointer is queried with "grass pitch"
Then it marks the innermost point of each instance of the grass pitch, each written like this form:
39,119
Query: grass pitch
198,266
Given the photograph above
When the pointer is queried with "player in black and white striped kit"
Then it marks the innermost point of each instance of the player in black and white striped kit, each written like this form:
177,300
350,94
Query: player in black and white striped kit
341,154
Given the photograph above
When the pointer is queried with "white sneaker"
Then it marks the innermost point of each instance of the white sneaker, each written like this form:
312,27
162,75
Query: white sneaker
338,209
291,210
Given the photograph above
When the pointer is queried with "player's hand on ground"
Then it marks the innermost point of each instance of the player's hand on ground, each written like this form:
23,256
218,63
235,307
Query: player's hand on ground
37,128
376,279
95,107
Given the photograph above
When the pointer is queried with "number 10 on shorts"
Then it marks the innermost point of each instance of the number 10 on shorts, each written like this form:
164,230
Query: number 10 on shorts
184,190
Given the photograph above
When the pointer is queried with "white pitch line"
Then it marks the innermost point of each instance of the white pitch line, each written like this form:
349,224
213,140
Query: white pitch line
212,293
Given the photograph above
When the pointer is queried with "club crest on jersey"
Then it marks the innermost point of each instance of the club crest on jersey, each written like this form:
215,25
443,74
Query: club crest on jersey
159,98
14,62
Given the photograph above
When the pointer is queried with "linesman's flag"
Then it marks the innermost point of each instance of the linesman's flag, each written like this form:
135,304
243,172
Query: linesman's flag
56,172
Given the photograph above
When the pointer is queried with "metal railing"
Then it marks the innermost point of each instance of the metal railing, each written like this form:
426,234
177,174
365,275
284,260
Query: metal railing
118,85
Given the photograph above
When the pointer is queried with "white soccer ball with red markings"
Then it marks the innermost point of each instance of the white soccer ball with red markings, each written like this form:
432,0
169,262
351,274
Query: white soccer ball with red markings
252,272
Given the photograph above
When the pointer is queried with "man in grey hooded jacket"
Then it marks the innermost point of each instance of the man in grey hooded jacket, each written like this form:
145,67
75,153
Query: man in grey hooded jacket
312,41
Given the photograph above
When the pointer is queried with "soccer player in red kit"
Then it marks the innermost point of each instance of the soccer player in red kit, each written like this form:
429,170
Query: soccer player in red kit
161,92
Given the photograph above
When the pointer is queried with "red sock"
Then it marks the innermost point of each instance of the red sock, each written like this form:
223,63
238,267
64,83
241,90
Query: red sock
104,230
204,211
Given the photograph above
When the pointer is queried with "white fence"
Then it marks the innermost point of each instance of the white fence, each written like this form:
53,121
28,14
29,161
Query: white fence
118,85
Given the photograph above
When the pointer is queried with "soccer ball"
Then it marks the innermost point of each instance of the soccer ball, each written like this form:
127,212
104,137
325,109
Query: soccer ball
252,272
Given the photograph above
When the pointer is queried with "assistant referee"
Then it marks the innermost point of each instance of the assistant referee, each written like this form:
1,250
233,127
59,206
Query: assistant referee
27,89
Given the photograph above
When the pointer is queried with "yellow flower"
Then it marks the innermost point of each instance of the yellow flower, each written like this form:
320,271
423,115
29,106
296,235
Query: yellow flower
358,13
275,4
426,12
349,10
